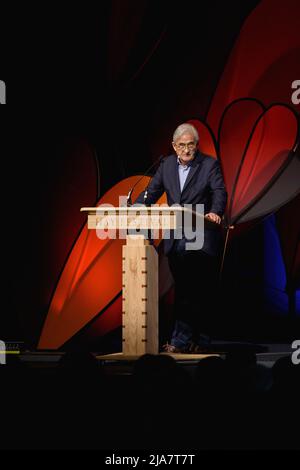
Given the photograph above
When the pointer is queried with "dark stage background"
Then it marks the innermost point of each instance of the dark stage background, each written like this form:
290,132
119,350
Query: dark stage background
93,97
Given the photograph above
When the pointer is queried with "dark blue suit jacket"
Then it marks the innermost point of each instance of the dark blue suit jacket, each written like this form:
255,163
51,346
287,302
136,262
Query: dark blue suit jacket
204,185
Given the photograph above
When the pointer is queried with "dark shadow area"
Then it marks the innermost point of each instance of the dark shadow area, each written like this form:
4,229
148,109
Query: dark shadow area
223,403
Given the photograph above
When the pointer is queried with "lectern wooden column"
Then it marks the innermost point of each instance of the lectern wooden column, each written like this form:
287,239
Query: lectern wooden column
139,297
139,269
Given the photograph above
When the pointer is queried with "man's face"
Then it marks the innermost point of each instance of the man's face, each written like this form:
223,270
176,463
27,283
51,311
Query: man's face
185,147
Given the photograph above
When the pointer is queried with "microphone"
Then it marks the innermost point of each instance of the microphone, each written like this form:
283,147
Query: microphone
128,200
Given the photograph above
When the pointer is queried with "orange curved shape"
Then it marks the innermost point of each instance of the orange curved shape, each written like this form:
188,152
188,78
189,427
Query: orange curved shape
91,278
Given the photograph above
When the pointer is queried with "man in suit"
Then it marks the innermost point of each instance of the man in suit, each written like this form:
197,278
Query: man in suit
190,177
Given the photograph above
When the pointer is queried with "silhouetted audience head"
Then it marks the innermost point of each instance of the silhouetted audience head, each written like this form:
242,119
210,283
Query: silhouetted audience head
78,365
286,376
241,370
157,370
210,374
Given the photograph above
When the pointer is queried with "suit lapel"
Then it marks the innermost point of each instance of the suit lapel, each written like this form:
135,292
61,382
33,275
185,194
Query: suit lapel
194,167
175,178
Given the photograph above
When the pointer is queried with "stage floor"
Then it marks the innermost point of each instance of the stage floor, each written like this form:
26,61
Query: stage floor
266,354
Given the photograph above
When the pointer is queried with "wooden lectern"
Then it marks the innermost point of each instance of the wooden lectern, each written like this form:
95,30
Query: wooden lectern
139,268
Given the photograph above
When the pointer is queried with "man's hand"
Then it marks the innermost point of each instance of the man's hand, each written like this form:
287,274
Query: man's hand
214,217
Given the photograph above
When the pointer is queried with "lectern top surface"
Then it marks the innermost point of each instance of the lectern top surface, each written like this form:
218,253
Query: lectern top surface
133,208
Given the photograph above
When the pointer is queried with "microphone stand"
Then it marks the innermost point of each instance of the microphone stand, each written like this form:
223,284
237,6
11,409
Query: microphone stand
128,200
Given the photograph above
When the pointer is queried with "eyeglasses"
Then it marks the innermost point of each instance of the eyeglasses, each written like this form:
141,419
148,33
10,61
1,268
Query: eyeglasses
189,146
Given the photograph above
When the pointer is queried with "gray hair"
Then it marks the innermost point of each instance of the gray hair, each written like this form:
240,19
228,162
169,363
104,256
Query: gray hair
183,128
